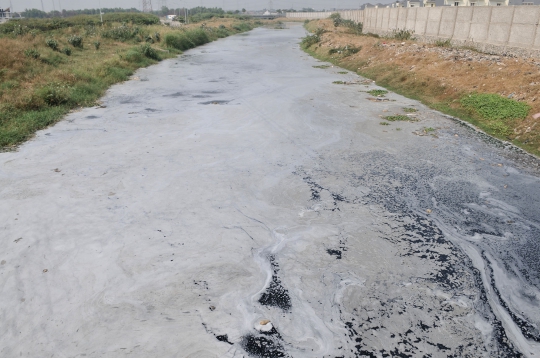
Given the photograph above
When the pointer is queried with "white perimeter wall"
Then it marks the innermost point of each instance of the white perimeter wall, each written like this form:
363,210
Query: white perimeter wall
507,26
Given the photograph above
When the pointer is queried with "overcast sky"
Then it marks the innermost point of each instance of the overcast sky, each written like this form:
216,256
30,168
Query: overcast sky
20,5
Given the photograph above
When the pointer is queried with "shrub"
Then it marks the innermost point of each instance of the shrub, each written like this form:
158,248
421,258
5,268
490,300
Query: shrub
179,41
377,92
403,34
443,43
149,52
75,41
494,107
187,39
32,53
54,94
157,37
121,33
97,44
310,40
52,44
336,19
134,56
66,51
345,50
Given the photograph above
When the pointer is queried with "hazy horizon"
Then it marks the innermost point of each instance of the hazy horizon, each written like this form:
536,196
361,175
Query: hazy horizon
49,5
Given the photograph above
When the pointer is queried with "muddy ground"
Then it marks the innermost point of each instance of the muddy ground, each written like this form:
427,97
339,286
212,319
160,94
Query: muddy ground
235,202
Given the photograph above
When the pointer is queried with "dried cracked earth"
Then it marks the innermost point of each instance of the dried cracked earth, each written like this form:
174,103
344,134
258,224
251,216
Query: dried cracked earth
235,202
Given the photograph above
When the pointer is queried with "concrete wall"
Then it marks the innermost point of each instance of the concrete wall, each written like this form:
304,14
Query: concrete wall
354,15
495,29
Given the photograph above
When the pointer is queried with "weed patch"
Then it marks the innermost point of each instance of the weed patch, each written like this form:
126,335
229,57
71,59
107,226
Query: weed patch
344,50
377,92
402,35
495,107
397,117
443,43
410,110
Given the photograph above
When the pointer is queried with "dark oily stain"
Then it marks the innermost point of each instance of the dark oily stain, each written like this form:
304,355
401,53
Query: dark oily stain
336,253
212,92
91,117
316,190
339,251
176,94
529,330
151,109
200,96
401,192
216,102
224,338
268,345
276,295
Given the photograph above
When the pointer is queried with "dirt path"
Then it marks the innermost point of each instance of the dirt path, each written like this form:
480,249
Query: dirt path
238,184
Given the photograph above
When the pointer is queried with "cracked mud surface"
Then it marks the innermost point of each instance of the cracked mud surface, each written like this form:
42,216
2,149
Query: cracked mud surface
164,226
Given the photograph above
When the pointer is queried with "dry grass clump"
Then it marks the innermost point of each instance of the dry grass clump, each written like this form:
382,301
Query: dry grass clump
440,76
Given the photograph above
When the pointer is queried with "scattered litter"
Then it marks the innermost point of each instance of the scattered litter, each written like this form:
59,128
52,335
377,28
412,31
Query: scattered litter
428,211
17,240
378,99
536,116
45,270
212,308
57,170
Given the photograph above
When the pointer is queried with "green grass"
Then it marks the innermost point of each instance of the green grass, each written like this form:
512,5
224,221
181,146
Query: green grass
443,43
410,110
344,50
384,123
339,82
377,92
397,117
497,112
494,107
322,66
343,72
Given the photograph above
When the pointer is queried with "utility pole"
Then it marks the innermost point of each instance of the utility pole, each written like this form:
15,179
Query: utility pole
147,5
42,7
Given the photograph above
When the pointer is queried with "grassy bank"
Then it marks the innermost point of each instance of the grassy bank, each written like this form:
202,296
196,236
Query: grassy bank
498,95
51,66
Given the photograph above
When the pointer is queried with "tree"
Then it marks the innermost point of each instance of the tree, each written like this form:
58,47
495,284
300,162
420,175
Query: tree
243,10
